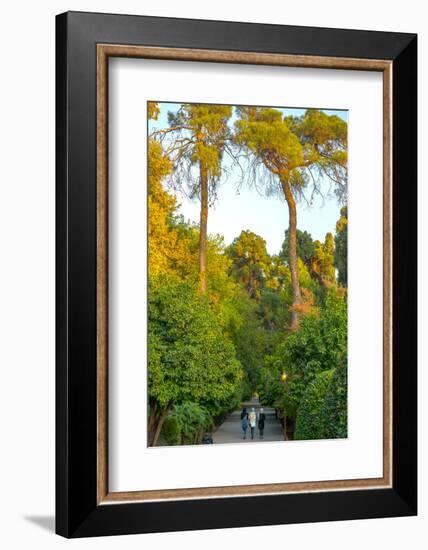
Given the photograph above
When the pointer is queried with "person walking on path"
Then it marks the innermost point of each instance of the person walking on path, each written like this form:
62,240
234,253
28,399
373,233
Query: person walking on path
252,419
261,422
244,422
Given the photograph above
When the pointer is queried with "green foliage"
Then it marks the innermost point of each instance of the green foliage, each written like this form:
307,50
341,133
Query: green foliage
271,389
310,420
199,132
171,431
224,292
273,310
295,154
250,343
247,390
250,262
328,133
305,246
189,357
322,261
268,136
319,345
306,282
190,418
172,243
296,149
341,247
335,408
210,350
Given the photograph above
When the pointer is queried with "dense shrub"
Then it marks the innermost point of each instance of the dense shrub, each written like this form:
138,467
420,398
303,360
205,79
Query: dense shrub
319,345
310,420
190,358
171,432
335,409
192,420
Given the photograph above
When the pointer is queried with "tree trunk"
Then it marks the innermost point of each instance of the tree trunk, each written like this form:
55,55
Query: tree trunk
161,420
203,229
292,252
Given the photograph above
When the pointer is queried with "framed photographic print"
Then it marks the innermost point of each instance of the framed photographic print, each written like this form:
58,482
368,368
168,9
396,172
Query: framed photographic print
236,274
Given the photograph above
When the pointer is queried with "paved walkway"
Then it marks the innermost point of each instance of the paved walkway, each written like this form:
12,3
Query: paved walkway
231,432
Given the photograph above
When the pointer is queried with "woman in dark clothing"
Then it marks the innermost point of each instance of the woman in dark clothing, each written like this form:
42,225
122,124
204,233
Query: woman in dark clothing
244,421
261,422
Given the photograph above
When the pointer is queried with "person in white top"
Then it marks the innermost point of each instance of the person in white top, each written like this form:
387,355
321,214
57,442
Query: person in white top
252,418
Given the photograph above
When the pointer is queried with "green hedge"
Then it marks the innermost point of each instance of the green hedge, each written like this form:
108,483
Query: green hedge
310,420
335,409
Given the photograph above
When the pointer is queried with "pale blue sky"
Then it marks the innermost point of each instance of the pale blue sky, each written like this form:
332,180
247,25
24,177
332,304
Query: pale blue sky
244,209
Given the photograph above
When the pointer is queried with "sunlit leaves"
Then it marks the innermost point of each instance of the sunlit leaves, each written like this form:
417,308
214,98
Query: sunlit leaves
196,136
189,357
208,351
299,149
322,261
153,110
169,247
251,264
267,135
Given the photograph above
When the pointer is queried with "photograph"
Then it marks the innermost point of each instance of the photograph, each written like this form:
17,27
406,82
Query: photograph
247,293
212,300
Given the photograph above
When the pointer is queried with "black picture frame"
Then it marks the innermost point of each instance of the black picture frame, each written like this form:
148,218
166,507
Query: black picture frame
77,511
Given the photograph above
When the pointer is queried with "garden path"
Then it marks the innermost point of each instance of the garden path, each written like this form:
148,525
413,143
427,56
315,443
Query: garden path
231,432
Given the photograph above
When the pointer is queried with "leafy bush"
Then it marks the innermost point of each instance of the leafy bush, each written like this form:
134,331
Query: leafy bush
335,409
171,432
310,420
191,420
189,357
319,345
